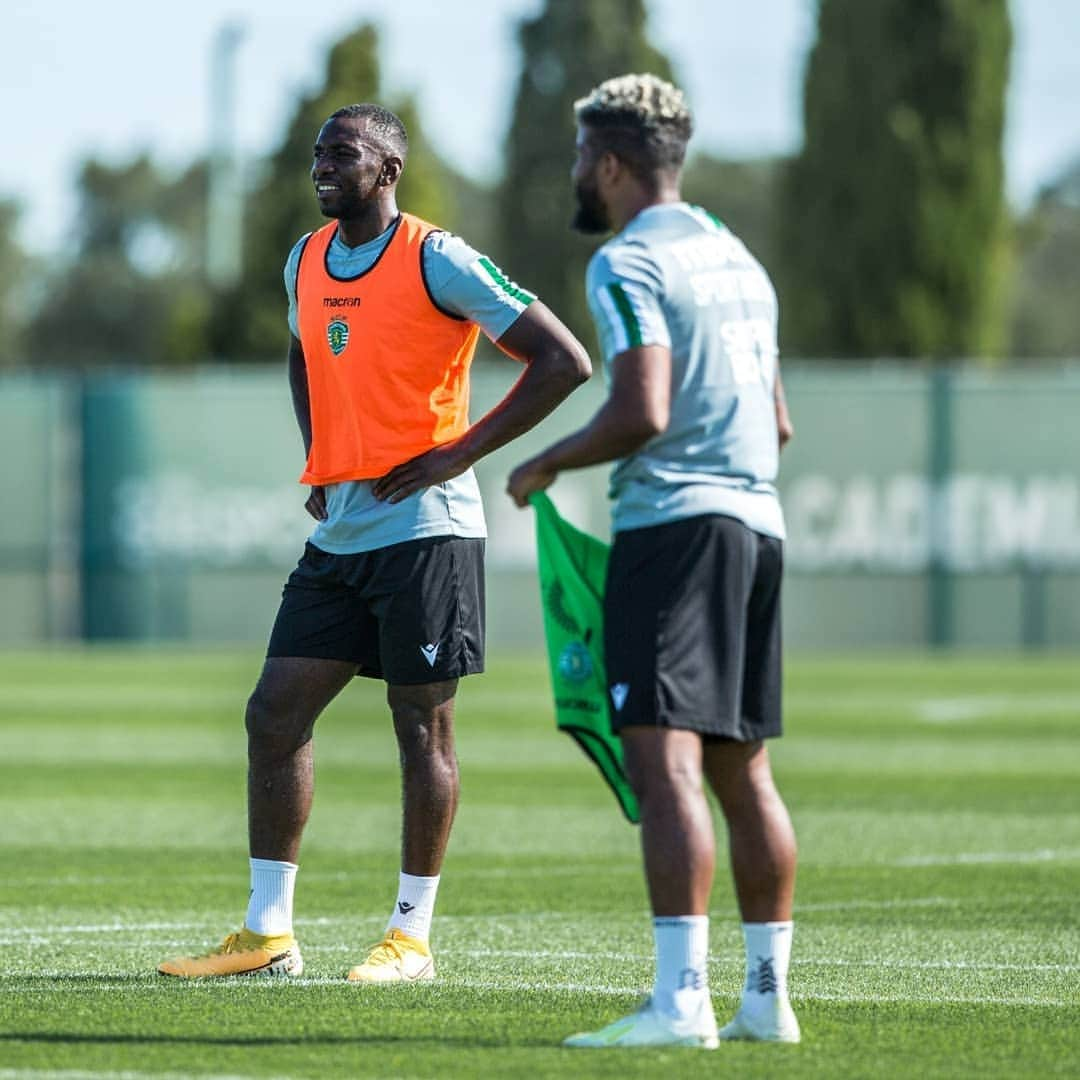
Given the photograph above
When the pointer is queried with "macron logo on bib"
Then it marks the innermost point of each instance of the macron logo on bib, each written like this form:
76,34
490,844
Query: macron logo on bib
618,695
431,653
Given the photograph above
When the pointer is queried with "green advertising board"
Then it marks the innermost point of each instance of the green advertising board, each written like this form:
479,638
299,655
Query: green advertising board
923,508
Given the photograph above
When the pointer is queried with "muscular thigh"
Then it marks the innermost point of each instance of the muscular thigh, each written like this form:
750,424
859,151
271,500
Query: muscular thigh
291,693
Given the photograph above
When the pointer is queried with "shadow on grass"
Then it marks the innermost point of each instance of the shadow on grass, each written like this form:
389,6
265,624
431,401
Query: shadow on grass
75,1039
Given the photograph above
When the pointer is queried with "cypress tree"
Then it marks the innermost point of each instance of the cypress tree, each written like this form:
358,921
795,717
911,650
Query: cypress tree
567,49
892,218
14,263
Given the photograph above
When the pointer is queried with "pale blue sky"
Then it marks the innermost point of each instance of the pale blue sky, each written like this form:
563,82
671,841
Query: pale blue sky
114,77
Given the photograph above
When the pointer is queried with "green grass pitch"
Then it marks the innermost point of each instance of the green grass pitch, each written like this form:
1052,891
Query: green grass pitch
937,804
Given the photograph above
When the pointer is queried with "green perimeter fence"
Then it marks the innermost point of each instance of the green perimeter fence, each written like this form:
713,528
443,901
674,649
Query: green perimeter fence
925,507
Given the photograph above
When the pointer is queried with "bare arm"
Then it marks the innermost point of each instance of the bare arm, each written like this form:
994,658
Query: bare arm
298,385
783,417
637,409
556,363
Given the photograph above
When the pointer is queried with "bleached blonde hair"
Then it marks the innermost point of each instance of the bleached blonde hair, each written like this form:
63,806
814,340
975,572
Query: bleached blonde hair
647,97
642,118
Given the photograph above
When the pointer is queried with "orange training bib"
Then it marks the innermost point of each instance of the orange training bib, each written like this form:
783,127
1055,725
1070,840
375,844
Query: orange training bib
387,371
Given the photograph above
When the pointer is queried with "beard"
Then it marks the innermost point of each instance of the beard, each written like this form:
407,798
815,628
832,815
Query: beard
590,215
343,206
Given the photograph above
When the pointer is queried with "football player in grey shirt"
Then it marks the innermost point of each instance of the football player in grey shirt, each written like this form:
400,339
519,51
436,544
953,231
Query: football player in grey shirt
694,421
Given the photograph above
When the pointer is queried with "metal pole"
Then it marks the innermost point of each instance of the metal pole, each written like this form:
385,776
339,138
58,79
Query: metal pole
940,627
1034,607
224,211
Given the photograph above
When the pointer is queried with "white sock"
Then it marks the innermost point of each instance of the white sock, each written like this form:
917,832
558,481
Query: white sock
768,953
415,905
270,903
682,951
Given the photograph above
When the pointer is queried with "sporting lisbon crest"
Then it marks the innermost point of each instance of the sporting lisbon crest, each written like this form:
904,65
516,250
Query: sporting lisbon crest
575,664
337,334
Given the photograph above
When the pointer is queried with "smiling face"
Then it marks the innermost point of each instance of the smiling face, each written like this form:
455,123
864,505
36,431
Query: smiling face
351,168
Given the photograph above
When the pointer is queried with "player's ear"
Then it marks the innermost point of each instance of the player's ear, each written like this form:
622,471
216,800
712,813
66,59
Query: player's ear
391,171
608,167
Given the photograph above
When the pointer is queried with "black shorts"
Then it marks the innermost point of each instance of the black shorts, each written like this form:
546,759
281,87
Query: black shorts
692,628
409,613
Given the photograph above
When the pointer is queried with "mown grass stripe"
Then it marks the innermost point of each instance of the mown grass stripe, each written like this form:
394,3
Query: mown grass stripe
938,923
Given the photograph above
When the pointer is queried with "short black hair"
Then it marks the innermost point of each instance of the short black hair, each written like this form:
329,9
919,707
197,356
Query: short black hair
642,119
382,123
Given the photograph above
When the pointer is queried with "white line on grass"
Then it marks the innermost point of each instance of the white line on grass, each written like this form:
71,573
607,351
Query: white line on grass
77,880
86,1074
936,965
959,710
993,857
48,933
716,961
44,935
881,905
560,955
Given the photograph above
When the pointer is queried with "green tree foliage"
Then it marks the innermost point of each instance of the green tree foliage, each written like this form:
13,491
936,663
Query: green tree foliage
1045,317
133,293
566,50
892,217
250,324
741,193
14,264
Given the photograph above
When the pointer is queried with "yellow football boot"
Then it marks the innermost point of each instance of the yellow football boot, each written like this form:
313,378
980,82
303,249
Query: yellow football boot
243,953
397,958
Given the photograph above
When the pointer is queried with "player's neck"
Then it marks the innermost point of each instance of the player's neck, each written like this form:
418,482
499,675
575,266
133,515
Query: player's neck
372,221
642,200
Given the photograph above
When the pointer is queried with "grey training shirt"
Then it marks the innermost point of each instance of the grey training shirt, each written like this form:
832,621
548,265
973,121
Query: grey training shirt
677,277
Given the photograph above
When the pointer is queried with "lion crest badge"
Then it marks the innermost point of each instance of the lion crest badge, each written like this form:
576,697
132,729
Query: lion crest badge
337,335
575,664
